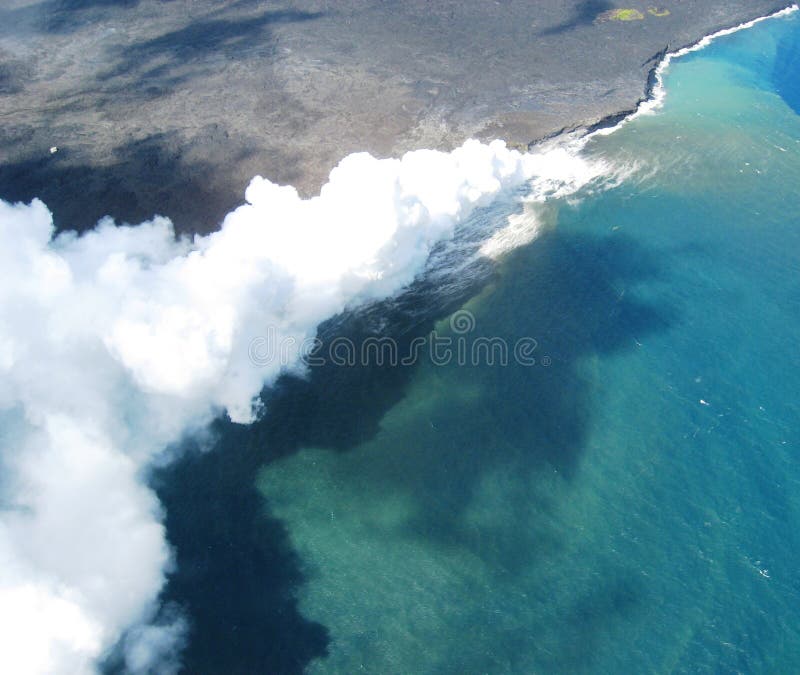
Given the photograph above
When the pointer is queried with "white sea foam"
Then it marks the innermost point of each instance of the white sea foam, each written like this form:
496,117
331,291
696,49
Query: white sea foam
115,343
658,93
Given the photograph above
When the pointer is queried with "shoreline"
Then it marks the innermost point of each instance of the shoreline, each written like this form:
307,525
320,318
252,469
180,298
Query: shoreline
154,112
212,444
655,90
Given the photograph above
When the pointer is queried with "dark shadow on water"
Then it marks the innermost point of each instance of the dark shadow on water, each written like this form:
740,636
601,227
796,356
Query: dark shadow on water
786,73
576,296
587,621
237,575
237,571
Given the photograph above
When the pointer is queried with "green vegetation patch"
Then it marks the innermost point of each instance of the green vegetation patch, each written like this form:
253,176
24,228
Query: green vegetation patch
625,15
658,11
620,15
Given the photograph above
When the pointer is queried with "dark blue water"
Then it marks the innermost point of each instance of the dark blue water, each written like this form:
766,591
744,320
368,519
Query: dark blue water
631,503
786,69
634,506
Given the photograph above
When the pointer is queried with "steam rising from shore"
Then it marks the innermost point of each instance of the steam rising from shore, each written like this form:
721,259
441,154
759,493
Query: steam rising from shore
118,342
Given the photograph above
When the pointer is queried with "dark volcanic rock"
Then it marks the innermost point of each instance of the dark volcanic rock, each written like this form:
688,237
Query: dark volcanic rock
171,107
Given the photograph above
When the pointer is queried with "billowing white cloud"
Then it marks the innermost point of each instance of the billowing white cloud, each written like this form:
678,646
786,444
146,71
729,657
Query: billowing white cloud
115,343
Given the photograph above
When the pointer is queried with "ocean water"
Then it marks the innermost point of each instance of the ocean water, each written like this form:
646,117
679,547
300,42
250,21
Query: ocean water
629,503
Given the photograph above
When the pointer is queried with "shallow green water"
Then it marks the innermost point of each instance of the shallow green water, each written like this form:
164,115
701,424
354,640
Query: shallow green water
634,505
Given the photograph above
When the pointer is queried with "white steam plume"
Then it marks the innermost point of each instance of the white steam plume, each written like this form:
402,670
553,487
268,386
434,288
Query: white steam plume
115,343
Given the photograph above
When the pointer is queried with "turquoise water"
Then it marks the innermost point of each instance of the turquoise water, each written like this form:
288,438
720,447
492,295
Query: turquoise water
633,506
628,504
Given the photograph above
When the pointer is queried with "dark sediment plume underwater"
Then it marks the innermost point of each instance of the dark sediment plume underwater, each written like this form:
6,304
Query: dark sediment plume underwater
627,504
